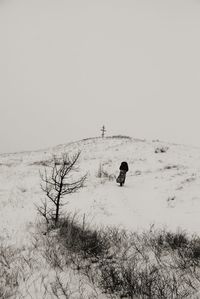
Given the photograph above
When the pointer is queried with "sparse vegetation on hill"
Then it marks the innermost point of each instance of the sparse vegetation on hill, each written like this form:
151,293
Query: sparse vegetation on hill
161,149
103,174
120,137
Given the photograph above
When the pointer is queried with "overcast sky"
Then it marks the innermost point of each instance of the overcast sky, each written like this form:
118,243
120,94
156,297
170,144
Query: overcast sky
68,67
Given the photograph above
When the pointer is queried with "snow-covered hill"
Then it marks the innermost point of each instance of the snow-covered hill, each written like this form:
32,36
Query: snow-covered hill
162,189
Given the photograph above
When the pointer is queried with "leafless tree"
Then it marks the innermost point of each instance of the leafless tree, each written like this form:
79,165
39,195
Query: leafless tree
57,183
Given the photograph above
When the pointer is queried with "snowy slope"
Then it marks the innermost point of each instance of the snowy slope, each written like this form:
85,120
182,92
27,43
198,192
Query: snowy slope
162,189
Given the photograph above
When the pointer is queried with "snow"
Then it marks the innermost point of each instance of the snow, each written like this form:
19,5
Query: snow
161,189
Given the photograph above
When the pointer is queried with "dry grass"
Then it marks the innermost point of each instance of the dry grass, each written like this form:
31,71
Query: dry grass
155,264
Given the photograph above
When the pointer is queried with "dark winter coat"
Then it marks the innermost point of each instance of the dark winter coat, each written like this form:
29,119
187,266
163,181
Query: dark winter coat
124,166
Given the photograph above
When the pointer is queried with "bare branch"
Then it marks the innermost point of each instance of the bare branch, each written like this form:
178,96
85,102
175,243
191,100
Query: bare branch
55,183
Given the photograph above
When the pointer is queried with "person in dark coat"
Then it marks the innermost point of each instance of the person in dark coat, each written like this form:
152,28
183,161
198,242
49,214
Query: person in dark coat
122,175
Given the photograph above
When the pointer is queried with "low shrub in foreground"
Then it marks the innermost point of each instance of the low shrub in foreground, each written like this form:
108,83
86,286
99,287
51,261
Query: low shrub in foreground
153,264
82,240
8,272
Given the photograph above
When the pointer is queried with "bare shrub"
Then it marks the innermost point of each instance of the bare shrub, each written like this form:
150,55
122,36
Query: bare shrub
82,240
56,184
101,173
194,246
152,264
9,272
161,149
145,267
166,239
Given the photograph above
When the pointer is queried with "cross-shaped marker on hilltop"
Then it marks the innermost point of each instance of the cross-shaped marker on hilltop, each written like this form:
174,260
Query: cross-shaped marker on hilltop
103,130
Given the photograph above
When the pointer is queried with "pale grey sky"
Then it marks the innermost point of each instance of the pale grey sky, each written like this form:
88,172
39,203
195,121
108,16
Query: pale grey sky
68,67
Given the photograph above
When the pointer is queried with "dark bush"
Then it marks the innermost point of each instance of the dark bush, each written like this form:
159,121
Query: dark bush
195,249
77,238
176,240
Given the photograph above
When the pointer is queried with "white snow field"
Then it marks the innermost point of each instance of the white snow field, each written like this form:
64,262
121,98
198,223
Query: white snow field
161,190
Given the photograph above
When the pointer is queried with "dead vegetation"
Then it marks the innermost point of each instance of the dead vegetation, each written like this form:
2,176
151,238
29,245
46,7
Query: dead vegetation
74,261
154,264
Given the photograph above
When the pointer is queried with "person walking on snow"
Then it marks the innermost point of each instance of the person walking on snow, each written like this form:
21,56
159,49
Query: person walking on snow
122,175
